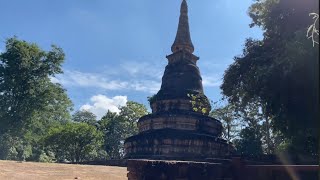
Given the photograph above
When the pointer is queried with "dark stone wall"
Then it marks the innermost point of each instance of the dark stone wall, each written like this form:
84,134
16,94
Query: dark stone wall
175,170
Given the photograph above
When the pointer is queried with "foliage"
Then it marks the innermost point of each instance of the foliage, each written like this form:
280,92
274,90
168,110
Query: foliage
230,120
199,103
73,141
131,114
280,72
29,102
85,117
250,143
117,127
113,130
47,157
25,86
152,98
14,148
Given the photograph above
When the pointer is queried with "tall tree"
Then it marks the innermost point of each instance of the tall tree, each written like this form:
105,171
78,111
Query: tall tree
230,120
26,90
250,143
113,128
117,127
29,102
131,114
281,72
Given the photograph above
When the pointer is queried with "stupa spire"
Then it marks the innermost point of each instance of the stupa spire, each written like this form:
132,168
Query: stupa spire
183,39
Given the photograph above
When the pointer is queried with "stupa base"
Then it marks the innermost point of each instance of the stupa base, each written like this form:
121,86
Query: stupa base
170,144
176,170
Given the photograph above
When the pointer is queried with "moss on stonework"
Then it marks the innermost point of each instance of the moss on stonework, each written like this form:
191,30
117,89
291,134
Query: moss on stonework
200,103
200,97
152,98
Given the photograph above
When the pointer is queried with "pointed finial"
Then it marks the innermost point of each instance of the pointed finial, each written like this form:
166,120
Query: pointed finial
183,39
184,7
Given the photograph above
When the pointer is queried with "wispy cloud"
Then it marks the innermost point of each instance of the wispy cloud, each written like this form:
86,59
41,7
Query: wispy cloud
83,79
102,81
84,17
140,68
213,75
100,104
211,80
130,75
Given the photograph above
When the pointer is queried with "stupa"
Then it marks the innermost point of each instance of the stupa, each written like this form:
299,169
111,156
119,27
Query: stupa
179,127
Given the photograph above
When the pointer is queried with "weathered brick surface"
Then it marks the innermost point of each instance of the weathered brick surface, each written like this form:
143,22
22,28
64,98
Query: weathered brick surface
174,170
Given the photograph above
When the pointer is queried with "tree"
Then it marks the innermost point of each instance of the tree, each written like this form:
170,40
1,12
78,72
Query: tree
26,90
29,102
250,143
85,117
74,141
113,128
14,148
230,120
131,114
280,72
117,127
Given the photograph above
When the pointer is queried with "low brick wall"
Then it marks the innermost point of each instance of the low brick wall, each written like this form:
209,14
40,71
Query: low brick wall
283,172
235,169
175,170
243,171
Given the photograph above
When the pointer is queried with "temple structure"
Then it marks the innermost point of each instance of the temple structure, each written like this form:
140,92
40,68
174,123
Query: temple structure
179,127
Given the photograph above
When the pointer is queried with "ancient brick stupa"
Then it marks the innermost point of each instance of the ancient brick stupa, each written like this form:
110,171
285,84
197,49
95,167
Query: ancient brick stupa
179,127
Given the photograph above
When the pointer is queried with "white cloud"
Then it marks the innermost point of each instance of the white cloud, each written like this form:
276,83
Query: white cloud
145,69
81,79
211,81
54,80
100,104
77,78
129,76
146,86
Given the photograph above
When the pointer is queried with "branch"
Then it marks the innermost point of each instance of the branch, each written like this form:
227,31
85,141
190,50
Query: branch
312,30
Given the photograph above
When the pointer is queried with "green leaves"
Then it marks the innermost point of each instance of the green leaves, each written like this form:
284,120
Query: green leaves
230,120
29,102
250,143
199,103
85,117
73,141
117,127
280,72
25,86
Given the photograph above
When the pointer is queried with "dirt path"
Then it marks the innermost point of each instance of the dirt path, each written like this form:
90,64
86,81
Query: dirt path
10,170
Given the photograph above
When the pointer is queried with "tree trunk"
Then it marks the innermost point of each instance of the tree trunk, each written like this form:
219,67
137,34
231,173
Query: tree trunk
269,148
268,137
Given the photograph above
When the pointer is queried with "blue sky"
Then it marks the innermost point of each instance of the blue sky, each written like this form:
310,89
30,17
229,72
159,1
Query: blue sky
115,49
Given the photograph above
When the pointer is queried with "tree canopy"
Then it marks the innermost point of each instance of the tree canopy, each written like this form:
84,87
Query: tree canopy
74,141
281,71
26,91
117,127
84,116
